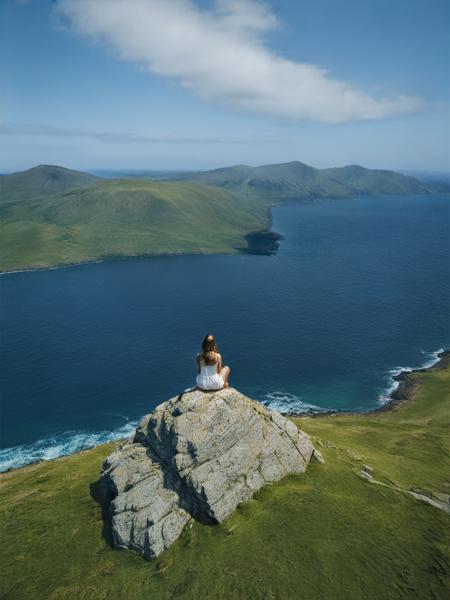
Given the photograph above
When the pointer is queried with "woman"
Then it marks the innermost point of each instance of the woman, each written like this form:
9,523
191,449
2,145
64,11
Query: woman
211,374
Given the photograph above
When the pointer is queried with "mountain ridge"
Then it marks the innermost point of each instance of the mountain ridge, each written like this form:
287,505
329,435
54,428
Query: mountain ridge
297,180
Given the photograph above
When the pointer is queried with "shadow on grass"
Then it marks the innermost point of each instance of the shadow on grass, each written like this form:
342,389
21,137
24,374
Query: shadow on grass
97,492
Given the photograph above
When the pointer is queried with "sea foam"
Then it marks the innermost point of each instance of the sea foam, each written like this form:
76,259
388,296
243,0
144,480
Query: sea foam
69,442
384,397
60,444
288,403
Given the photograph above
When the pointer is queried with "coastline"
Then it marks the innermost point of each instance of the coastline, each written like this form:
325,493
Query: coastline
407,387
262,242
270,239
402,392
113,258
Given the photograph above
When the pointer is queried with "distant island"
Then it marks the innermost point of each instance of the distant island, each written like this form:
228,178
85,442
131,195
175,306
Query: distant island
54,216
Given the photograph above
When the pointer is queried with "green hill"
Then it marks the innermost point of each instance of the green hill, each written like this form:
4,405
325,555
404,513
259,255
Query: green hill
296,180
52,216
345,530
42,180
124,218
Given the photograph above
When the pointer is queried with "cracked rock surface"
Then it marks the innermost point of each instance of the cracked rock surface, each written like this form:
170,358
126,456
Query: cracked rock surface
198,455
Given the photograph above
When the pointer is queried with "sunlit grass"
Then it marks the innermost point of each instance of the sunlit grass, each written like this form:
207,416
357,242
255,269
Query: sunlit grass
126,218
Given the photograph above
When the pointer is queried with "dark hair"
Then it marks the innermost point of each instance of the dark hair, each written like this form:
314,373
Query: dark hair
208,349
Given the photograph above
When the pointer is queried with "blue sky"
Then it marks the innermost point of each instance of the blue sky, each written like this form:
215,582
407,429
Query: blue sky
185,84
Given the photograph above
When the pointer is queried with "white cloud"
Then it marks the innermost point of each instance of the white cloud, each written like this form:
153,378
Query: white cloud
219,54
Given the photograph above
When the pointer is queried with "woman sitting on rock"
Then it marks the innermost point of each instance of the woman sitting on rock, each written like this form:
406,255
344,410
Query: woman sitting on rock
211,374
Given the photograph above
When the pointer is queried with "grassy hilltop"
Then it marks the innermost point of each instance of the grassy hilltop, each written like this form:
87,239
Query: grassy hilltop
52,216
329,533
43,180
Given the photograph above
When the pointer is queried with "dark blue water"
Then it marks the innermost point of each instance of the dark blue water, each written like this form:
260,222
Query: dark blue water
359,287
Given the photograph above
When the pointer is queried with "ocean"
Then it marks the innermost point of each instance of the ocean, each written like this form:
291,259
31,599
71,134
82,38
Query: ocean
358,290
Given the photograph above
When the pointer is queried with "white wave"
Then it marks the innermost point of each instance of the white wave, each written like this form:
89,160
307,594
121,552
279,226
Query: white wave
432,358
384,397
69,442
61,444
286,402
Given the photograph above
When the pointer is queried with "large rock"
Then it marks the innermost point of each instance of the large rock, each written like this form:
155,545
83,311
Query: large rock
198,456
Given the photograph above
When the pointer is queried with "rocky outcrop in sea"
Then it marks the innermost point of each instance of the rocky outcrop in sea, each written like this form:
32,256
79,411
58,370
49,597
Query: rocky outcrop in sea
196,456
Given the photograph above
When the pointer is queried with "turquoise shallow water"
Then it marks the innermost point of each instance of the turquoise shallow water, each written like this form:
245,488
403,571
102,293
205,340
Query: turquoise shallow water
358,289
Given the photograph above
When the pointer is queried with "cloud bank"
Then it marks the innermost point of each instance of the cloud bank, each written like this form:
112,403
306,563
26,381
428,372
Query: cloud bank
220,54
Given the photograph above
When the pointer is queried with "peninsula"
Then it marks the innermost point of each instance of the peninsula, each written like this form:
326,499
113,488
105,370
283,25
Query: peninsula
52,216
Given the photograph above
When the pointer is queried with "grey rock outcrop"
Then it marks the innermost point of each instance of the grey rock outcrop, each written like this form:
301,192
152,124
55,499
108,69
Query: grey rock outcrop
198,456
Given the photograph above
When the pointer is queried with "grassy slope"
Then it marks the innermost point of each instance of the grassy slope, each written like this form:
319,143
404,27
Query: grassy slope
124,218
325,534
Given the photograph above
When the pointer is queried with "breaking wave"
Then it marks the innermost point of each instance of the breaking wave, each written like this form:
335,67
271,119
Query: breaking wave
288,403
69,442
61,444
384,397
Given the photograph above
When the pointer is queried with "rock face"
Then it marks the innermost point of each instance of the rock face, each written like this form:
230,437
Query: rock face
197,456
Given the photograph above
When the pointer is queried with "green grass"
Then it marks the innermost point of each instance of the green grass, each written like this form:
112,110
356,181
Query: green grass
125,218
327,534
409,445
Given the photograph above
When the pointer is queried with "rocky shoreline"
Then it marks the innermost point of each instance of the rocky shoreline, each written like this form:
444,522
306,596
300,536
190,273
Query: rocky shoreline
407,387
404,391
264,242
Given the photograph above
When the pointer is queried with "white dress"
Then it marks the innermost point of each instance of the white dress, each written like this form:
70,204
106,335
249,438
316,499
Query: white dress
209,378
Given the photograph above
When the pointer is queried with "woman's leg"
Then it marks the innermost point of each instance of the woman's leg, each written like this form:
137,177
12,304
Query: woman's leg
225,372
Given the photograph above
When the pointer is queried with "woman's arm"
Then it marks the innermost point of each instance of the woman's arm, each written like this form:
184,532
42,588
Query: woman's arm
219,363
198,363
